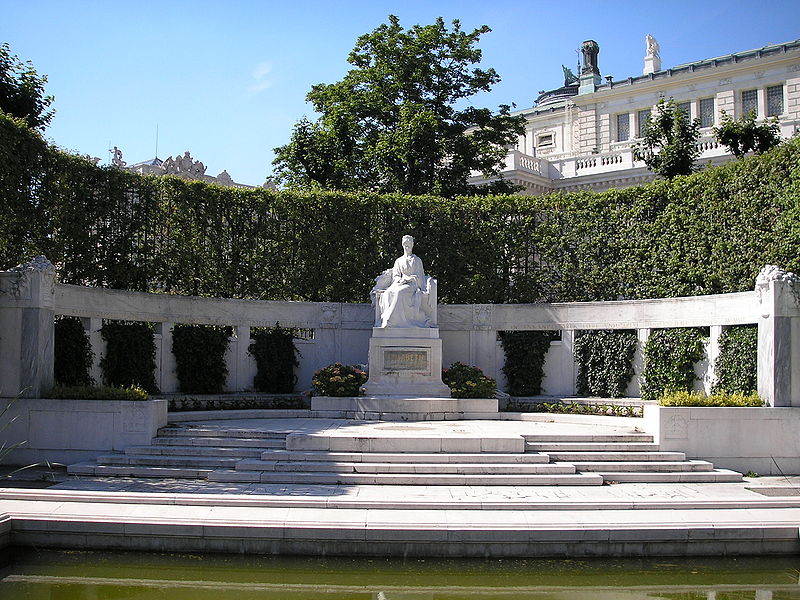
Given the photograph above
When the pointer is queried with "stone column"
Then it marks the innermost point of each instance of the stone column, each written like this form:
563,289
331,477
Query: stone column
571,368
166,376
635,386
245,364
713,353
778,336
27,303
92,326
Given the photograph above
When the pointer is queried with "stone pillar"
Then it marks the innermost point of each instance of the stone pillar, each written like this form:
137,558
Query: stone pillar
92,326
27,303
778,336
635,386
710,378
166,377
245,364
571,368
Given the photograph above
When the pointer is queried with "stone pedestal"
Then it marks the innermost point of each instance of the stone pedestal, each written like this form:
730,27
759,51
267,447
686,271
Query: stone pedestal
406,361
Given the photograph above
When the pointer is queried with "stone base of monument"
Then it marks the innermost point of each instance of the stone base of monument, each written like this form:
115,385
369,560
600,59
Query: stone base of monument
406,362
395,408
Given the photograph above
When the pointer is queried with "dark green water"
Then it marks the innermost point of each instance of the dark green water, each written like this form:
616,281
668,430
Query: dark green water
78,575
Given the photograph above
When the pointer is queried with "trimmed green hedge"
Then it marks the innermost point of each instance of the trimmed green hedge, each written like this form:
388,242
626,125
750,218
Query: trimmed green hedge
130,355
200,358
710,232
96,392
669,359
605,362
72,352
736,366
684,398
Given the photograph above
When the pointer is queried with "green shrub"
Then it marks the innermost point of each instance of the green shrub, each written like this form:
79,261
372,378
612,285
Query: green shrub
605,362
200,358
525,353
683,398
669,359
130,356
276,359
465,381
339,380
736,366
187,403
707,233
72,352
97,392
577,408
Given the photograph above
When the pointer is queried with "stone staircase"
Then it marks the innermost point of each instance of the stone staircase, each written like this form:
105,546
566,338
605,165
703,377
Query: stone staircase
253,456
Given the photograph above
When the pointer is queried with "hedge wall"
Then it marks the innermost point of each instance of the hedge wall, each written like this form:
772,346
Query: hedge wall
706,233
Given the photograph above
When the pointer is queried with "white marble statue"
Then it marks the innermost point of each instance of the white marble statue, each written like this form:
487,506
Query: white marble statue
653,49
403,295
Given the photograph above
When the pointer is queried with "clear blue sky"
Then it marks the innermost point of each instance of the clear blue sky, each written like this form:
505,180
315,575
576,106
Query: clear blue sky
227,80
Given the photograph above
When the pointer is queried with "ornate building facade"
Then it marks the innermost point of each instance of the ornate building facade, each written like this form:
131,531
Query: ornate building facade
580,135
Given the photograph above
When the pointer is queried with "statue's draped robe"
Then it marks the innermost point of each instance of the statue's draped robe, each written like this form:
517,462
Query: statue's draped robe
401,302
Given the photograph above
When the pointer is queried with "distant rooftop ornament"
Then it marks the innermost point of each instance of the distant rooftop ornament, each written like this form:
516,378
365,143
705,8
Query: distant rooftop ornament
116,159
652,59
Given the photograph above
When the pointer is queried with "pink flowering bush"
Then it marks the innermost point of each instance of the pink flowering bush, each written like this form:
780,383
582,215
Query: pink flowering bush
339,380
468,382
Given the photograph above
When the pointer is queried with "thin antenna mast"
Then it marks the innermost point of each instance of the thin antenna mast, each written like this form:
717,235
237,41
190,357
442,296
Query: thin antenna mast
156,140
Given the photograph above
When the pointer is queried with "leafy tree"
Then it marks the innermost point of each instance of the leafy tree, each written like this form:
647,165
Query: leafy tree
392,124
745,135
22,90
669,145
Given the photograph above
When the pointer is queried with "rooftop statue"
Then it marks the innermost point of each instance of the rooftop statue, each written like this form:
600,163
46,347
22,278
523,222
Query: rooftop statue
569,76
403,295
653,49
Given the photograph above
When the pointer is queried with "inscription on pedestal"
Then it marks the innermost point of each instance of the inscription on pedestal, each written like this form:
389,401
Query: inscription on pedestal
405,360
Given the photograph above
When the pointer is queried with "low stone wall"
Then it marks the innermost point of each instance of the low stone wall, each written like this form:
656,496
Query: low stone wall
66,431
763,440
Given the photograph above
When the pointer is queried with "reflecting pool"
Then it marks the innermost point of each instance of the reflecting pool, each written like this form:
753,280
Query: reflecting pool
83,575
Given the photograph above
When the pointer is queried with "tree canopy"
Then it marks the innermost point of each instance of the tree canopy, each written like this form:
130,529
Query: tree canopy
394,123
745,135
22,90
669,144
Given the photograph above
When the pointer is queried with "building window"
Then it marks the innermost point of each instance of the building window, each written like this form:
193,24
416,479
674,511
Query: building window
706,112
774,100
623,127
545,140
642,116
749,102
686,110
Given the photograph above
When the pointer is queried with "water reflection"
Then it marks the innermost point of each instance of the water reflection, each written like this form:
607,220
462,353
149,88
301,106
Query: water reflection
78,575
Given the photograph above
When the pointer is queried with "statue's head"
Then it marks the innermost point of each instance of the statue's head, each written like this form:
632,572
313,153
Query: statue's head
408,242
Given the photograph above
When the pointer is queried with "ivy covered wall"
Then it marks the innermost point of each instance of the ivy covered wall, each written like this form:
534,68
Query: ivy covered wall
707,233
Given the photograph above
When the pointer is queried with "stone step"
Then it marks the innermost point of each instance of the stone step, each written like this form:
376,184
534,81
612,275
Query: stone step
138,471
231,451
219,442
615,456
643,466
596,438
548,447
404,457
466,444
190,462
416,468
715,476
220,433
402,478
